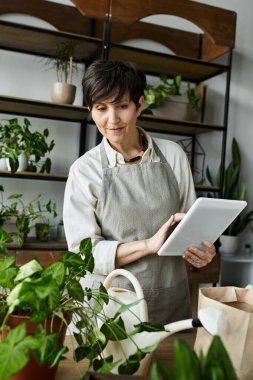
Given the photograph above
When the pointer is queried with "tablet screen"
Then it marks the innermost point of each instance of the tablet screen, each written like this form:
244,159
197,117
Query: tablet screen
207,219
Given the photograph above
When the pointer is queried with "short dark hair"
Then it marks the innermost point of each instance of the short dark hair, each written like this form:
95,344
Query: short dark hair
106,79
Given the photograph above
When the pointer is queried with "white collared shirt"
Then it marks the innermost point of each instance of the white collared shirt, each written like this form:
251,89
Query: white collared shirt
83,189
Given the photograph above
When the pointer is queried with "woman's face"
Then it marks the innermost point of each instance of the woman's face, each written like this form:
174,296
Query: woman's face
117,120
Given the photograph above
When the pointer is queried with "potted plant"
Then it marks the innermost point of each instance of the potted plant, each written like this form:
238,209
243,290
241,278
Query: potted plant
25,149
24,215
233,189
37,293
61,231
63,91
216,364
169,99
42,229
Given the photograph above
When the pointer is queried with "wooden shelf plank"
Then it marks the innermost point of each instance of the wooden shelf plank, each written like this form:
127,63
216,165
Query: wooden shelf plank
157,63
180,127
45,42
34,176
35,245
49,110
42,109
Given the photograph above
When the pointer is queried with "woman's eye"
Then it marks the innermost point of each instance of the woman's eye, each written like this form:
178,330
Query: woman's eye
124,106
101,109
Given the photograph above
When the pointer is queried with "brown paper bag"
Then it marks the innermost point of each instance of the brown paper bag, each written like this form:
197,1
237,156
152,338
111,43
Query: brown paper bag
238,336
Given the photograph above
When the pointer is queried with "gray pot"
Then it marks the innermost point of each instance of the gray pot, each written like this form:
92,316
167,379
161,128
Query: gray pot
63,93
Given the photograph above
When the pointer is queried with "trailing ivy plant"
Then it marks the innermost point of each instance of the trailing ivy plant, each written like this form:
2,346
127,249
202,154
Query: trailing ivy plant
56,291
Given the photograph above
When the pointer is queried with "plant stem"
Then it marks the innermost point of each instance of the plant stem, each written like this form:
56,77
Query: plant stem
70,69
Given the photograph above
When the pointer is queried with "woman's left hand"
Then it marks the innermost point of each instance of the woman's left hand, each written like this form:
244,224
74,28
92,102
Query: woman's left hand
199,258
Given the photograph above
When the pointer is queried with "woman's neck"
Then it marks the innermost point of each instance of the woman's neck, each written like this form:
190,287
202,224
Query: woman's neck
133,148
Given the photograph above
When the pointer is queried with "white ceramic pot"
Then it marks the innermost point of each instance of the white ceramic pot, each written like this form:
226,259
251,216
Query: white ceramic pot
3,164
23,162
229,245
63,93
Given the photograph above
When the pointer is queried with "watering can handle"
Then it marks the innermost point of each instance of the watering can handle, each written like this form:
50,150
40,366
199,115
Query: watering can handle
137,288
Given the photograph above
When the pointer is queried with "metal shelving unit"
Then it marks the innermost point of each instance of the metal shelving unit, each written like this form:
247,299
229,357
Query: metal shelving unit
102,36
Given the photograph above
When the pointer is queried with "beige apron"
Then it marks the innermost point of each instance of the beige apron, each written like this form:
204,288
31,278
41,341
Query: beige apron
135,201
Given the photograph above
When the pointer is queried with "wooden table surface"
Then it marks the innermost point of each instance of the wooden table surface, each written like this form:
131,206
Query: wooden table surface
69,370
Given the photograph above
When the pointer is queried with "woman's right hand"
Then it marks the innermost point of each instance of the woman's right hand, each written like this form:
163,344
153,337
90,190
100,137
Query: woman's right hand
157,240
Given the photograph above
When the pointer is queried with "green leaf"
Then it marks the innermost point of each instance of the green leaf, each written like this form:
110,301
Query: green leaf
104,365
76,291
28,270
145,326
132,364
4,237
7,262
217,353
7,277
57,271
114,329
71,259
49,350
14,351
85,246
183,354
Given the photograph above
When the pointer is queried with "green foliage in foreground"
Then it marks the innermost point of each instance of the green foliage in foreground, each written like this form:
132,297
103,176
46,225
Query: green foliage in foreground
216,365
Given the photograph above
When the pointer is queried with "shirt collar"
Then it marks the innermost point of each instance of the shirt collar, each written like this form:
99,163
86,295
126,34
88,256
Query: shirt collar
115,158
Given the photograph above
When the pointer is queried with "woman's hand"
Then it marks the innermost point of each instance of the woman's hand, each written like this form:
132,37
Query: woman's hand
199,258
157,240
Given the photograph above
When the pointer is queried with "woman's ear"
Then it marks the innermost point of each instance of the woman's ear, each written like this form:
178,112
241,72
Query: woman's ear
140,105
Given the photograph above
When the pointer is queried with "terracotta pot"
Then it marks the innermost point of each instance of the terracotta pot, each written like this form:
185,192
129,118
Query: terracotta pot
33,370
63,93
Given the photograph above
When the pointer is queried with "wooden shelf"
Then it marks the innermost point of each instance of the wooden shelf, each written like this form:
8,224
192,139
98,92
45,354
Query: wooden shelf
38,41
42,109
158,63
34,176
44,42
35,245
180,127
49,110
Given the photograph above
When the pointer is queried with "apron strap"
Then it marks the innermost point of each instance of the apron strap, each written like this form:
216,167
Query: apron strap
159,153
104,159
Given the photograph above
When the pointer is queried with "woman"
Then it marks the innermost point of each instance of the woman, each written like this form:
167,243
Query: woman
128,192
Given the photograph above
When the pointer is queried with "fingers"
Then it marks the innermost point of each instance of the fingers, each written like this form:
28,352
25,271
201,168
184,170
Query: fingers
199,258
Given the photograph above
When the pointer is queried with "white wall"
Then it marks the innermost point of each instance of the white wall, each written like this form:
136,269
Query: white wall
15,79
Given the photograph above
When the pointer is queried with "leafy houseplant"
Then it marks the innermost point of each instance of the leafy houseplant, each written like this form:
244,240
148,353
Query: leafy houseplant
25,214
156,95
188,366
17,140
42,230
63,91
233,189
55,292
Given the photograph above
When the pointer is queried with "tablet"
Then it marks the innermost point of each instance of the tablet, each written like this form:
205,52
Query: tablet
207,219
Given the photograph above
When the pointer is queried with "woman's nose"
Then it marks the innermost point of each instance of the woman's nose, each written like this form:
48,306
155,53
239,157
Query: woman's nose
113,116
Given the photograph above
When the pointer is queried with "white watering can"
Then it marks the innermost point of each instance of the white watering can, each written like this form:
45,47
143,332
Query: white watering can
213,320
